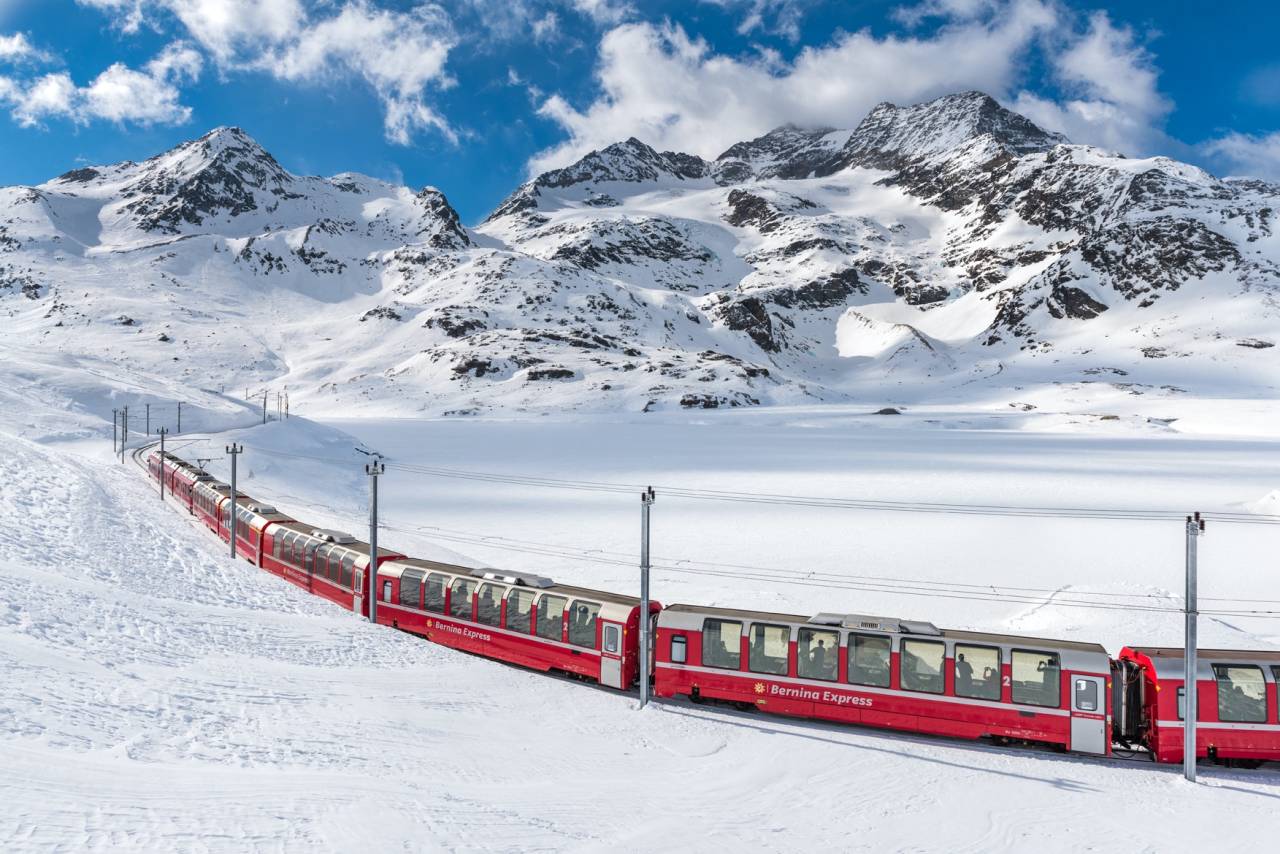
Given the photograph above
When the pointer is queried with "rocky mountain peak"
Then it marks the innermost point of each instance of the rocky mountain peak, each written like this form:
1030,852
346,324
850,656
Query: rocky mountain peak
628,161
891,135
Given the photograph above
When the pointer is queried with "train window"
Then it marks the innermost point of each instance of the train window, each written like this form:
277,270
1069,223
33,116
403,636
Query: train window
767,650
921,666
1242,693
321,561
1086,695
347,571
582,623
818,654
410,587
489,609
1036,678
977,672
722,644
433,593
679,649
519,608
612,639
386,591
1182,704
551,617
869,657
460,598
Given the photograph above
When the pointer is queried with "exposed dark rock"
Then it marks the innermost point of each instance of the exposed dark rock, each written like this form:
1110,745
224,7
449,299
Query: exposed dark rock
382,312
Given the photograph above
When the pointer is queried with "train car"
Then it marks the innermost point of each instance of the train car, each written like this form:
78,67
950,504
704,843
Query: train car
520,618
329,564
206,500
253,520
180,477
1237,705
890,673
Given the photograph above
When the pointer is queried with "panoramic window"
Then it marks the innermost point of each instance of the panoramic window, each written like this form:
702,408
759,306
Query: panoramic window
433,593
922,663
721,644
1242,693
817,654
767,649
977,672
460,598
550,621
489,604
519,610
410,587
1036,678
582,623
869,659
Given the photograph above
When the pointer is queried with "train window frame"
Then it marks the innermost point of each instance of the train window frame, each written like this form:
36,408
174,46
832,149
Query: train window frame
1013,680
992,697
538,618
470,608
802,663
903,652
411,579
517,593
735,653
441,579
1275,676
771,669
594,620
386,591
488,586
1218,682
347,571
1083,682
680,642
852,647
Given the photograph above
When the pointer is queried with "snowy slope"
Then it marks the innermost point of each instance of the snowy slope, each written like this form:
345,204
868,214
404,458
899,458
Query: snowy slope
156,695
932,253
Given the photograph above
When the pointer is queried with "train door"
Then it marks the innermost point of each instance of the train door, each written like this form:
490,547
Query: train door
357,599
1088,715
611,654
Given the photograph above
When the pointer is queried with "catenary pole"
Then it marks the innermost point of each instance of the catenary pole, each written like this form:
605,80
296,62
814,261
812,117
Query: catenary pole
124,433
179,416
163,431
115,430
234,450
1195,527
646,642
148,419
373,469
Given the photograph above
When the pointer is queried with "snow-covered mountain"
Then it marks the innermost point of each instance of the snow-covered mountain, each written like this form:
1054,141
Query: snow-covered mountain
938,249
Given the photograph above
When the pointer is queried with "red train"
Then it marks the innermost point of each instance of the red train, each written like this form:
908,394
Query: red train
890,673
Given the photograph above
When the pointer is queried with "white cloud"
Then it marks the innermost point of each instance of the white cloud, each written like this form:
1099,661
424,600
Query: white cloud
1113,97
18,48
400,54
605,12
671,90
1244,154
778,17
118,94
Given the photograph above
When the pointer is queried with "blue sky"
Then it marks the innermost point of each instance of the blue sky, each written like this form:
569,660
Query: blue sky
473,96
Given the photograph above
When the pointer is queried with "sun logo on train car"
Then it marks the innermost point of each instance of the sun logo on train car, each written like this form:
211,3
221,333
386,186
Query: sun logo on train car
428,624
759,687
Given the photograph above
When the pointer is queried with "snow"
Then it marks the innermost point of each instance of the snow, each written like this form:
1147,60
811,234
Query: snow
158,695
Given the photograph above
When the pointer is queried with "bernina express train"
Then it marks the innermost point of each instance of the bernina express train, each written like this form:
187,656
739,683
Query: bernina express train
847,668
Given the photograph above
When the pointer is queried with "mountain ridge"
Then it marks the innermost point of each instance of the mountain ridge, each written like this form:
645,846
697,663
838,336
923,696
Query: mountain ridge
935,244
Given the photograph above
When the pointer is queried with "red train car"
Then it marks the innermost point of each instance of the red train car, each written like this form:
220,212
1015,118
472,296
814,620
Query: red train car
889,673
180,477
523,619
329,564
1237,705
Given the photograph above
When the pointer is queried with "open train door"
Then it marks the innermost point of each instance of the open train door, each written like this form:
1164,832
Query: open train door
357,598
1088,715
611,654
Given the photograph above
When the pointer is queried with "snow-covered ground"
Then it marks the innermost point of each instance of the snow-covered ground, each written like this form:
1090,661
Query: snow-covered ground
156,694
